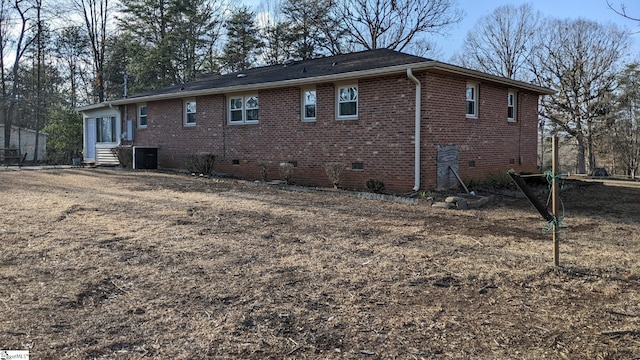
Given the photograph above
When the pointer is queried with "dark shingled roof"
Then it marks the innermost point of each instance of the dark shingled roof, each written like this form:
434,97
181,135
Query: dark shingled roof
333,68
358,61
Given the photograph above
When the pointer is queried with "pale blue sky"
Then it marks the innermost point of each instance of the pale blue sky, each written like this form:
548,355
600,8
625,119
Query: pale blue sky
596,10
589,9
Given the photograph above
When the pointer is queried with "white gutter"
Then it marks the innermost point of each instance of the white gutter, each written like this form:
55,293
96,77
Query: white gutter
416,186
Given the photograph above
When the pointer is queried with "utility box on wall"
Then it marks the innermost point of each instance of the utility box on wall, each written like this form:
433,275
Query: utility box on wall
145,157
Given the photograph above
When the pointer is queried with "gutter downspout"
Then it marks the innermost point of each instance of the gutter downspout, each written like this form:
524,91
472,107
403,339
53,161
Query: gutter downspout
416,186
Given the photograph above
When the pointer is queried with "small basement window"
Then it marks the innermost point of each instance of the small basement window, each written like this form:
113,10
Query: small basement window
357,166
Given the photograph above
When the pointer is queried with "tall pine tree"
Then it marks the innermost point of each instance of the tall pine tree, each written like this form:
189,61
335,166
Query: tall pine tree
314,28
243,41
167,41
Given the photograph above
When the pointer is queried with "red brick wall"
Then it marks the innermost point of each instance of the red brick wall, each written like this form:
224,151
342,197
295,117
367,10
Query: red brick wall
490,141
378,139
166,130
382,138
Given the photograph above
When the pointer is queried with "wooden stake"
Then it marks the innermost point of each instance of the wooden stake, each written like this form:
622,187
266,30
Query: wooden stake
555,203
460,180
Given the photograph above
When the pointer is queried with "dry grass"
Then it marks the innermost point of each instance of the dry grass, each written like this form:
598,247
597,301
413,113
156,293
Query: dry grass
117,264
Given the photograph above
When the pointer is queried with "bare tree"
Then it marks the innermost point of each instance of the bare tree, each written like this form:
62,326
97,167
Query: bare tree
39,69
96,15
500,43
70,49
20,25
579,59
625,127
621,10
373,24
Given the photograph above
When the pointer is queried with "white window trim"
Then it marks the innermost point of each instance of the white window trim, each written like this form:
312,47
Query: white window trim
304,105
185,114
347,117
476,92
244,98
114,121
515,106
140,106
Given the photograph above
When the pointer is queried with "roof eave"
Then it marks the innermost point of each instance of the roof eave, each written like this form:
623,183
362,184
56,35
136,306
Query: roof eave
493,78
93,106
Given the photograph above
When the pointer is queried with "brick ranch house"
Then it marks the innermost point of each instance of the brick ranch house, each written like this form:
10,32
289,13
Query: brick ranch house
398,118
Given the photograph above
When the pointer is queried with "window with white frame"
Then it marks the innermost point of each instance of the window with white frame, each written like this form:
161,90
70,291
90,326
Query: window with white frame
309,104
511,105
244,109
142,115
190,112
347,107
106,129
472,100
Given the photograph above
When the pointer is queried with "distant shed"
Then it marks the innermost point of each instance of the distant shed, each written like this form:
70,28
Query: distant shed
25,140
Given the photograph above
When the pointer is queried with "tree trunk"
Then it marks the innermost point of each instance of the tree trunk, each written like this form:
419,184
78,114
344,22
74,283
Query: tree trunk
7,126
592,155
99,86
20,46
541,126
580,159
39,66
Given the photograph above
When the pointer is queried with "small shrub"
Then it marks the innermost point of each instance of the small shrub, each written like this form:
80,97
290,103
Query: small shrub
425,195
286,170
335,172
500,181
124,154
375,186
200,163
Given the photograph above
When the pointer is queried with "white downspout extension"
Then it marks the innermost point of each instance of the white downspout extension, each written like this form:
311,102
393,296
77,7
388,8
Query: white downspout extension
416,186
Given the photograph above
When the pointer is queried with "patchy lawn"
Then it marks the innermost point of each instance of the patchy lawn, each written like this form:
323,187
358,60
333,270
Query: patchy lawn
115,264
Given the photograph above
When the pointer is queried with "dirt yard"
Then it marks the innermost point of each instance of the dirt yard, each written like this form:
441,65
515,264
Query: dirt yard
100,263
